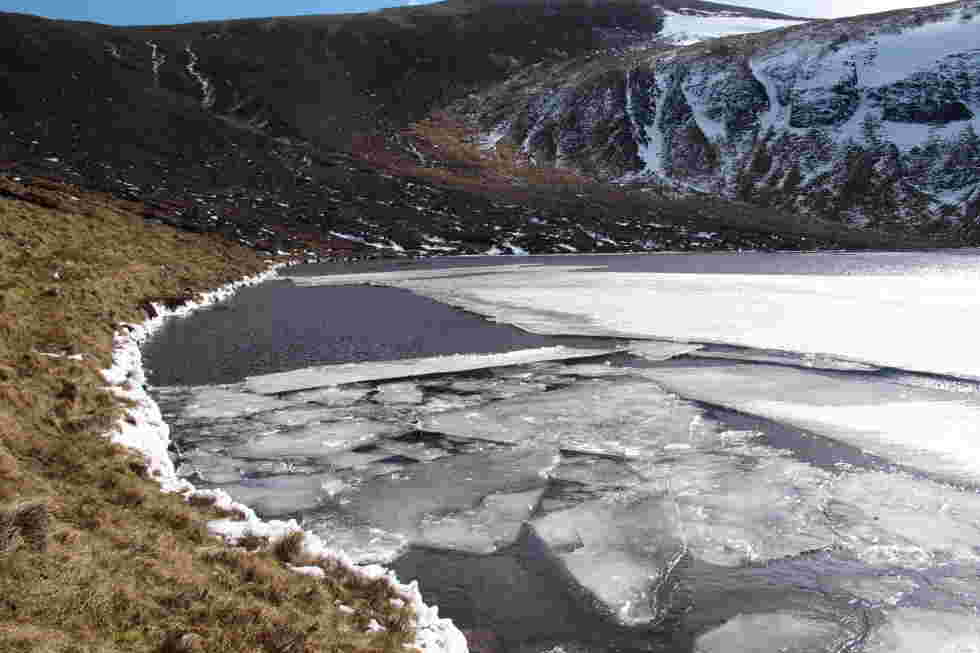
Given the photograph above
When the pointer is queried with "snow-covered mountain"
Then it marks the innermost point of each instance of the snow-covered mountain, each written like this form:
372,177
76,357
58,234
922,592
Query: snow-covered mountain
869,120
685,26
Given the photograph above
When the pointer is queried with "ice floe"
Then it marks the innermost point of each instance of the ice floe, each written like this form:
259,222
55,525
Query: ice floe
332,375
481,499
331,396
777,631
619,552
624,417
932,430
314,440
399,393
217,402
275,496
910,630
493,524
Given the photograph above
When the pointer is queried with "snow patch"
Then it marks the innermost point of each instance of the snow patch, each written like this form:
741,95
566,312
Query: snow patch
686,29
207,89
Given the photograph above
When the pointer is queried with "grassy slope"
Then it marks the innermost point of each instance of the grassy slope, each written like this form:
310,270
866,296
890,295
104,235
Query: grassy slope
92,556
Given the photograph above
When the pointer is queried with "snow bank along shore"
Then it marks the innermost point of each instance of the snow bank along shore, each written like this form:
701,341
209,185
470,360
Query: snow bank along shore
144,430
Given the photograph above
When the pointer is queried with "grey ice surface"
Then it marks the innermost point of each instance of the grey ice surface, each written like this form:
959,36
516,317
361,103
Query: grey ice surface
275,496
494,523
399,393
332,396
314,441
910,630
776,631
477,502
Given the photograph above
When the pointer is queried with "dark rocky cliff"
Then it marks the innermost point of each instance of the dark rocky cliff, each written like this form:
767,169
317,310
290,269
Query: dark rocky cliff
871,121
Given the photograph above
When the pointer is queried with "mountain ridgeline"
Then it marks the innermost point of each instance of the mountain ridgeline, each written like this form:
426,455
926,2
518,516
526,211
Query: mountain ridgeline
269,130
870,121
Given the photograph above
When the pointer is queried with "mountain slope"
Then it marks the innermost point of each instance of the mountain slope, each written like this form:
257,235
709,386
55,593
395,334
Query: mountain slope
286,132
871,120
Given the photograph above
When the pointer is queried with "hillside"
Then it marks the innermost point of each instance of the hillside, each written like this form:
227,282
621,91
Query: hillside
291,133
93,557
868,121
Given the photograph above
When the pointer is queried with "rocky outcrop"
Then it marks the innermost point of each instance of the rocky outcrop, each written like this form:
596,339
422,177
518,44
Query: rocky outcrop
870,121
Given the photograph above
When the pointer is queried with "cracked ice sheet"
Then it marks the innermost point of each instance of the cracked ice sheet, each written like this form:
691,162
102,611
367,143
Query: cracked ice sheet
876,320
932,430
625,417
743,505
332,375
471,501
888,519
750,504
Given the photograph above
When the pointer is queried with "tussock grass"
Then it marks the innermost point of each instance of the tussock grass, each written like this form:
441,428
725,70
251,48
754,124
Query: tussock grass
93,558
463,162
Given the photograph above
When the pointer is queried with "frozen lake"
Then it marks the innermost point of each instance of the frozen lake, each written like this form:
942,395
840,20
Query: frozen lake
683,452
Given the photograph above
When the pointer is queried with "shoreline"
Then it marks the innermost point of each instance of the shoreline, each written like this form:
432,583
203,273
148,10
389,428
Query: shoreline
143,429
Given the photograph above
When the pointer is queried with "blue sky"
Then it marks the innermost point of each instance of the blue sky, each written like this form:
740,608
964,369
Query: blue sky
147,12
143,12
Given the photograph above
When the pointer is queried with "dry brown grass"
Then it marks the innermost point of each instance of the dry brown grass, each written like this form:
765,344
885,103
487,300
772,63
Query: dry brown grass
454,157
93,557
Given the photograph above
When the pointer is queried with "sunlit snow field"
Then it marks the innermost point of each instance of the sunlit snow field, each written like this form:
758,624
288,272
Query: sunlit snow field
673,453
